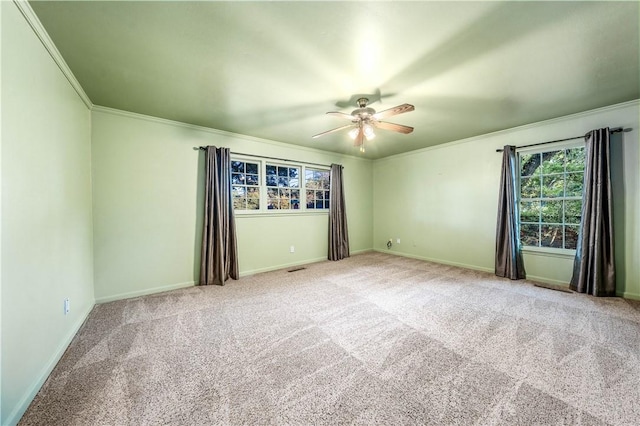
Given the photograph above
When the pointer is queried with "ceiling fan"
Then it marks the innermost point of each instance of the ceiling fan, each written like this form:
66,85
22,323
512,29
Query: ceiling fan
364,119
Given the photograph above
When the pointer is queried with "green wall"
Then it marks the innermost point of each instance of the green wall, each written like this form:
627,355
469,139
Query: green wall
46,213
106,204
147,186
441,202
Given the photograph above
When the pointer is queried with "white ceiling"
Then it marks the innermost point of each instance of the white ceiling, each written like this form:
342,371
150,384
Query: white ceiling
272,69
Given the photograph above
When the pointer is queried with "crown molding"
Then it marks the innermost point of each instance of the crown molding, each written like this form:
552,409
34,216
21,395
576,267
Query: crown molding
165,121
613,107
41,33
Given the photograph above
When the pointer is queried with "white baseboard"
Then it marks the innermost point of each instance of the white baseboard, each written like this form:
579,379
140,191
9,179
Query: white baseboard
547,281
625,295
281,266
144,292
26,399
302,262
628,295
153,290
430,259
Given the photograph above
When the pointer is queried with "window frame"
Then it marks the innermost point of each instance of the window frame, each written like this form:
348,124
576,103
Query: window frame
553,251
263,188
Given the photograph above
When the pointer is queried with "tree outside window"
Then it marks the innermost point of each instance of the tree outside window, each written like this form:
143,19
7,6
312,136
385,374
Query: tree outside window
551,197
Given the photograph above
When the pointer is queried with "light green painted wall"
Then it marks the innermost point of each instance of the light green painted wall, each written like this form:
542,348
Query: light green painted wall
0,215
442,202
46,213
147,186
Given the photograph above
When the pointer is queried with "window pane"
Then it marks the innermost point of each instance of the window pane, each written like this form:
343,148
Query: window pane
575,159
553,186
530,211
283,182
293,172
253,198
237,179
530,187
283,171
529,234
529,164
326,203
239,203
551,192
551,211
310,199
252,168
574,184
271,170
551,236
552,162
238,191
572,211
237,166
295,198
571,236
252,180
272,199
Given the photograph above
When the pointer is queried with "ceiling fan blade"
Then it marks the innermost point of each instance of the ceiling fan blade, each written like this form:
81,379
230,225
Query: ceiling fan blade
342,115
332,130
394,127
359,140
393,111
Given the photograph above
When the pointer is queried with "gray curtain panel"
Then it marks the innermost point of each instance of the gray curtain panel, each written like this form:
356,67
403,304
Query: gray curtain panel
338,233
509,263
594,270
219,258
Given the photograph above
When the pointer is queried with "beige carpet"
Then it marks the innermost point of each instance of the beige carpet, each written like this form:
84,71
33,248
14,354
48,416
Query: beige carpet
374,339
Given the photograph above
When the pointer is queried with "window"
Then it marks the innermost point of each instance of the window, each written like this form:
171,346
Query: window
263,186
283,187
316,184
245,185
551,197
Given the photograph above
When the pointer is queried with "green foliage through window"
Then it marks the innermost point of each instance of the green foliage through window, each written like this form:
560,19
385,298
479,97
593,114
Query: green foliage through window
261,186
245,185
317,187
551,197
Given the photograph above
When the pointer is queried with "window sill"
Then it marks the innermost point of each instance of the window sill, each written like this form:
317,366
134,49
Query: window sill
281,213
549,252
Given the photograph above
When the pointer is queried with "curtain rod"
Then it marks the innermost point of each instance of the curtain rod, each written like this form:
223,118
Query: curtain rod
202,148
616,130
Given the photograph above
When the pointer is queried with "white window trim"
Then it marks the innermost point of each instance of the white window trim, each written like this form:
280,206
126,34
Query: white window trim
263,211
553,251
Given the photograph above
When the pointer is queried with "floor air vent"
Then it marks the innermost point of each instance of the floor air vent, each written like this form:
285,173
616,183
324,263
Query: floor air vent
296,269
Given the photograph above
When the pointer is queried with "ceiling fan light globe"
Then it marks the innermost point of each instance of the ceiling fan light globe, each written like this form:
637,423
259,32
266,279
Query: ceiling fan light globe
368,132
353,133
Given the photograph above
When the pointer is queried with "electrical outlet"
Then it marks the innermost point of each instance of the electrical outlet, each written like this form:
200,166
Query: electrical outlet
292,249
67,306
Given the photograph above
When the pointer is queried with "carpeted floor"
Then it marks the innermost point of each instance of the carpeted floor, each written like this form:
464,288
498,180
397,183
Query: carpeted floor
373,339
